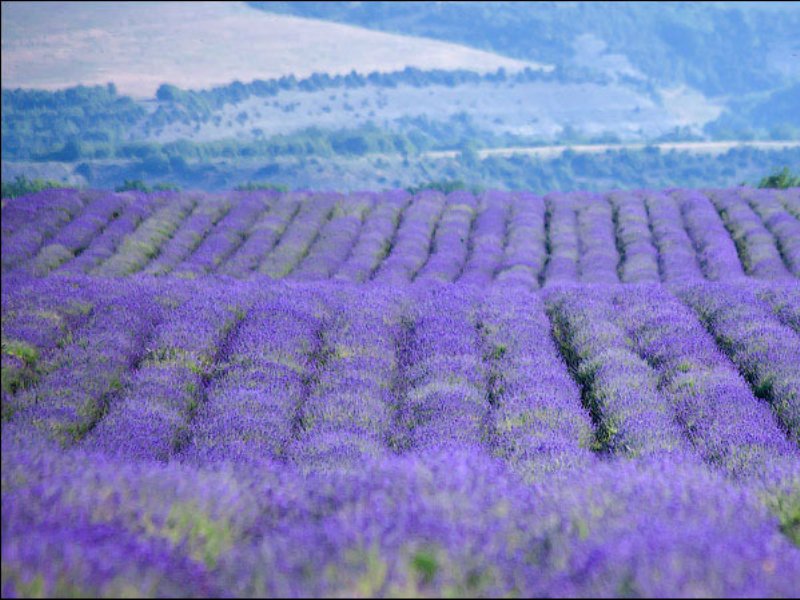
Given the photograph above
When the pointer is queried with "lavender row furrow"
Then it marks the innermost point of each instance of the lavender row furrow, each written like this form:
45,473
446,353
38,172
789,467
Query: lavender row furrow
335,242
38,321
598,256
765,351
345,420
70,400
151,419
756,246
782,225
298,238
485,245
639,257
141,246
224,239
376,237
445,404
783,301
450,245
264,236
562,238
677,260
715,250
524,249
538,423
790,199
727,425
33,220
632,417
76,236
189,235
412,243
251,407
138,208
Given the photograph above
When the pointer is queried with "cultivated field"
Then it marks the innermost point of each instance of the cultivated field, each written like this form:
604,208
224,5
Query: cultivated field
384,394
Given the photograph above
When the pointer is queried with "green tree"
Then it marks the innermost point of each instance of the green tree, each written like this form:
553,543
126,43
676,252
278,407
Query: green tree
780,180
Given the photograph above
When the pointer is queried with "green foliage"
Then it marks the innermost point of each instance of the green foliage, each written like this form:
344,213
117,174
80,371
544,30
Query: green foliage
133,185
67,124
22,185
426,565
137,185
166,187
197,106
252,186
780,180
445,187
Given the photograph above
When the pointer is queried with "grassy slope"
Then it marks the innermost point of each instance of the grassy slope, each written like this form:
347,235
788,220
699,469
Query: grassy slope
200,45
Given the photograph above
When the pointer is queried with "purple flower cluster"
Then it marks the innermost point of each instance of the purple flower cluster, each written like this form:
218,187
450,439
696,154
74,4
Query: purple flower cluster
561,224
137,209
189,235
141,246
411,246
29,221
375,238
766,352
445,523
449,247
486,242
299,237
524,249
639,256
598,254
225,239
76,236
713,246
756,246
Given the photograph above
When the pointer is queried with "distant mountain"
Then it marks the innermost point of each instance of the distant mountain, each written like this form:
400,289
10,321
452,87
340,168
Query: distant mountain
718,48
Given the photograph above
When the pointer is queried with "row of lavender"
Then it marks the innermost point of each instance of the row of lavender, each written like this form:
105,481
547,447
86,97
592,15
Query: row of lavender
194,437
392,237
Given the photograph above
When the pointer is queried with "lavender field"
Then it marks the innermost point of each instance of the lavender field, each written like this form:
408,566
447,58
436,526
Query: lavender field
379,394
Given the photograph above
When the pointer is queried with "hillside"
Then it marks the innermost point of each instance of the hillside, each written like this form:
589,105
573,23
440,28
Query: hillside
308,109
717,48
138,48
